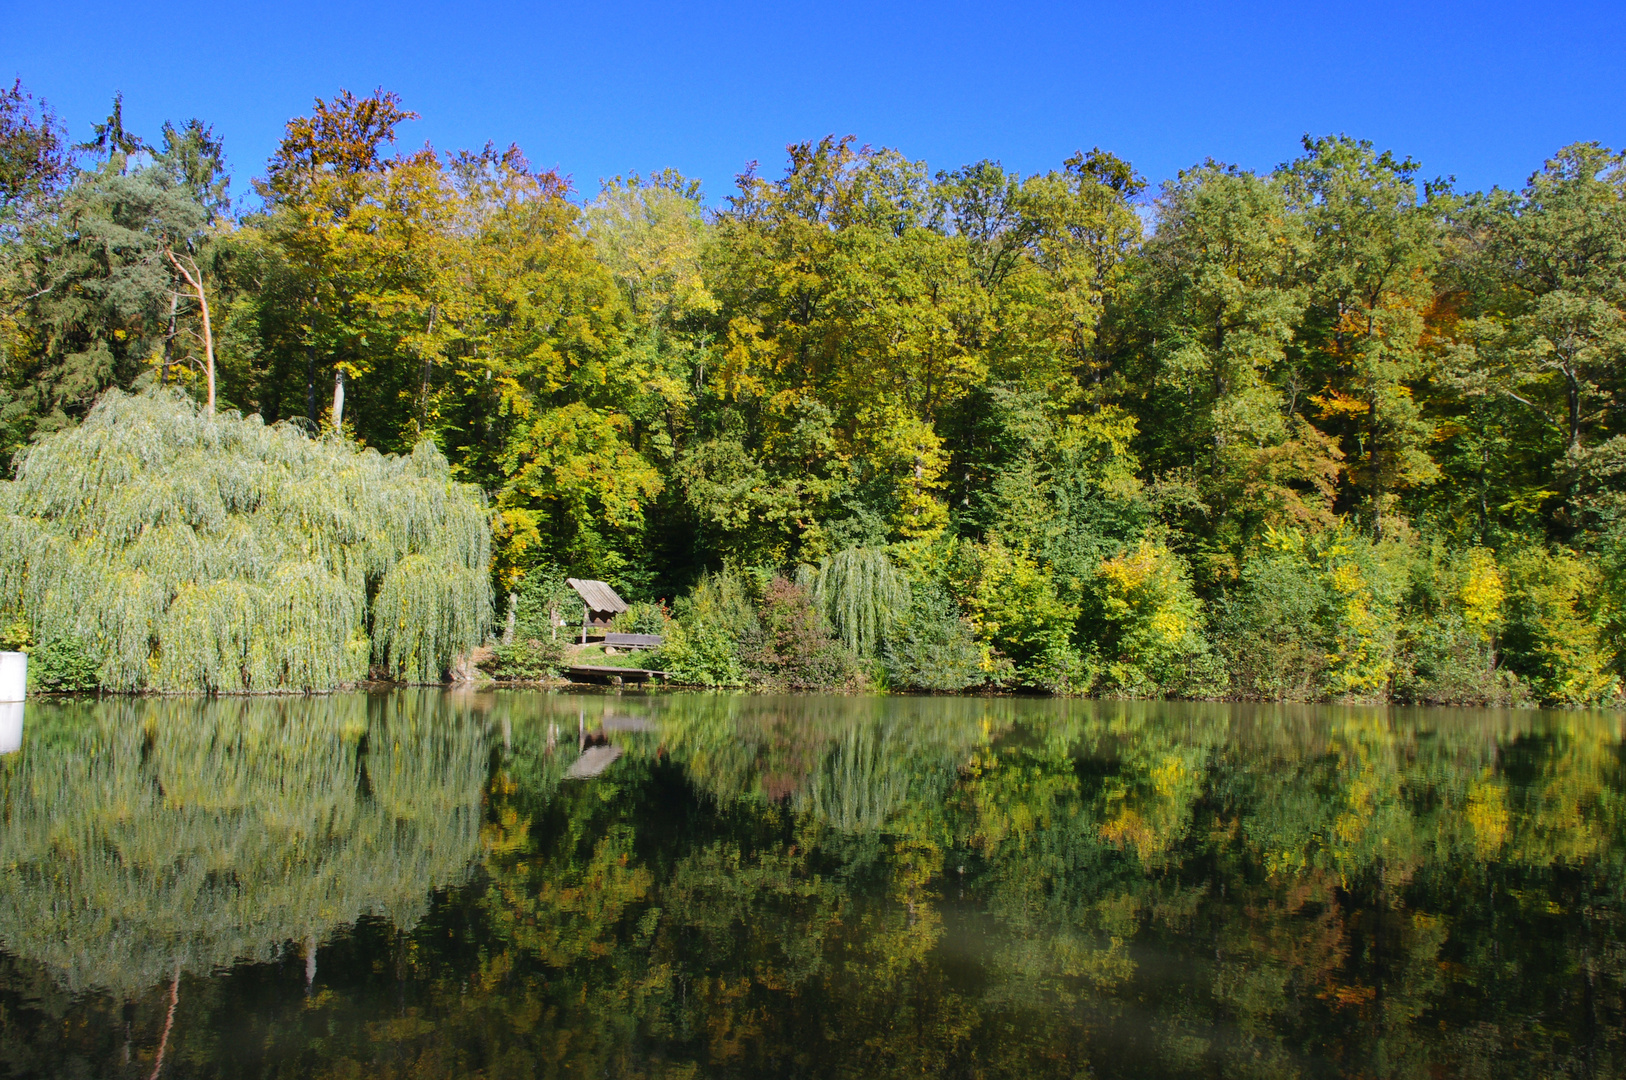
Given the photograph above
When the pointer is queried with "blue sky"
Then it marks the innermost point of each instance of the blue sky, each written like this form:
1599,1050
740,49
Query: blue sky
1482,91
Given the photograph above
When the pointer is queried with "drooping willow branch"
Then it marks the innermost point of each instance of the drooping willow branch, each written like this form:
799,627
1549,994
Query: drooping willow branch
191,552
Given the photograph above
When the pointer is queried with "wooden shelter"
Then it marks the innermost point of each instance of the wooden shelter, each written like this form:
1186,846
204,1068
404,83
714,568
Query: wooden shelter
600,604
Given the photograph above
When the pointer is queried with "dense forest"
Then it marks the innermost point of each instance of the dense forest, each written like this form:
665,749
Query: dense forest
1327,432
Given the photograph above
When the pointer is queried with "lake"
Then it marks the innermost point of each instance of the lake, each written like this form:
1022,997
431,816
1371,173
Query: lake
519,884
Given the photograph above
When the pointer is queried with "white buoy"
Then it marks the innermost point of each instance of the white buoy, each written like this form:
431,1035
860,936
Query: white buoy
13,676
11,727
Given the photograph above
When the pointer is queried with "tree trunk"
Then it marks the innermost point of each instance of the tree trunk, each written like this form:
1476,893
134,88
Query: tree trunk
194,277
338,398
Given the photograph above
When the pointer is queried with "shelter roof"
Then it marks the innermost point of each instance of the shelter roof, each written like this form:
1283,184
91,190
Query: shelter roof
597,595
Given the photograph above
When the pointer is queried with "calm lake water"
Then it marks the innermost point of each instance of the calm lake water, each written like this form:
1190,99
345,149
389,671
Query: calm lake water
516,884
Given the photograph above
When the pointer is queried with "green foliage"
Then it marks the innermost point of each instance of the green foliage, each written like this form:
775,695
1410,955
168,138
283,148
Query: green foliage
931,646
1316,615
1452,620
526,660
726,600
1014,603
1557,636
545,604
1152,623
792,645
860,592
63,665
199,553
701,654
641,617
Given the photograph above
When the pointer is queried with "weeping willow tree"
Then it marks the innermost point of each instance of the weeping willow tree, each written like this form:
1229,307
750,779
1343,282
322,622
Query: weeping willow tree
147,837
860,591
193,552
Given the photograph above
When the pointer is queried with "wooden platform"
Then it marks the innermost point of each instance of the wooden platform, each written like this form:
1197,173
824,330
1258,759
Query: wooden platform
597,673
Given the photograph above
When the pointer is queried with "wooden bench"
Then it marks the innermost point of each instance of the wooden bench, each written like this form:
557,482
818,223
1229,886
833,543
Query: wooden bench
634,641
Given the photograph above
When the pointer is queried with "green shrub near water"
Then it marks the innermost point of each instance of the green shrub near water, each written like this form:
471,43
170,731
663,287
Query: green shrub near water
704,654
192,552
931,646
793,647
526,660
1557,636
63,666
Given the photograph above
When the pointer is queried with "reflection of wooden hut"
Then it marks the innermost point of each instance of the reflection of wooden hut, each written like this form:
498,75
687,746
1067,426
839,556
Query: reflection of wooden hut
600,604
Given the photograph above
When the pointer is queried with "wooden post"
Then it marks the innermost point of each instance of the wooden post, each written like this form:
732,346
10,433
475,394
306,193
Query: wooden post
584,622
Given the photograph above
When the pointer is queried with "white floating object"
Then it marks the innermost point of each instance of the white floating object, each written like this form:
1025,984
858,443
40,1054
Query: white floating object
11,727
13,676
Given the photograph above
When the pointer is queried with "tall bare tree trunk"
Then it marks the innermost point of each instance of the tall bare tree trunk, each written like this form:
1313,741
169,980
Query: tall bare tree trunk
194,277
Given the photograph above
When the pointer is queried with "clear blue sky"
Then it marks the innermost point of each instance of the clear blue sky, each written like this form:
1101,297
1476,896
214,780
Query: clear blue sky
1483,91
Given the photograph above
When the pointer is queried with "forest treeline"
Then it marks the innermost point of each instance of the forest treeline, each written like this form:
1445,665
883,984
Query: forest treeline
1330,431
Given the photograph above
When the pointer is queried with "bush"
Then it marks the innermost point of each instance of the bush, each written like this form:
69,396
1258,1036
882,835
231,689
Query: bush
725,601
1316,615
63,666
1152,625
1063,669
1015,606
1557,631
932,647
529,660
641,618
793,647
701,655
1452,618
543,604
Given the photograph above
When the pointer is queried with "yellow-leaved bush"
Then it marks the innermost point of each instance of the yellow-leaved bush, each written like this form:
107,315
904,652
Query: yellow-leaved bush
1154,640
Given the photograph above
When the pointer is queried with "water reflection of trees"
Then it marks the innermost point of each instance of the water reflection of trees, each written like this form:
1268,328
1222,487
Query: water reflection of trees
142,836
809,886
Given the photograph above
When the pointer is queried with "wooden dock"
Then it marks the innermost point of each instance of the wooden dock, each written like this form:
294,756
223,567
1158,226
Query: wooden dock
613,675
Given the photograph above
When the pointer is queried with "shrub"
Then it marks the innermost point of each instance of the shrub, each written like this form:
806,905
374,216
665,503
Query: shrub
1152,624
703,654
931,646
1315,615
543,604
641,618
63,665
1557,637
1014,604
1063,669
529,660
792,646
1452,618
723,600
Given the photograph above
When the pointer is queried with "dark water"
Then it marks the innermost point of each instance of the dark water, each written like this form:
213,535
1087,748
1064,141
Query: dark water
424,885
